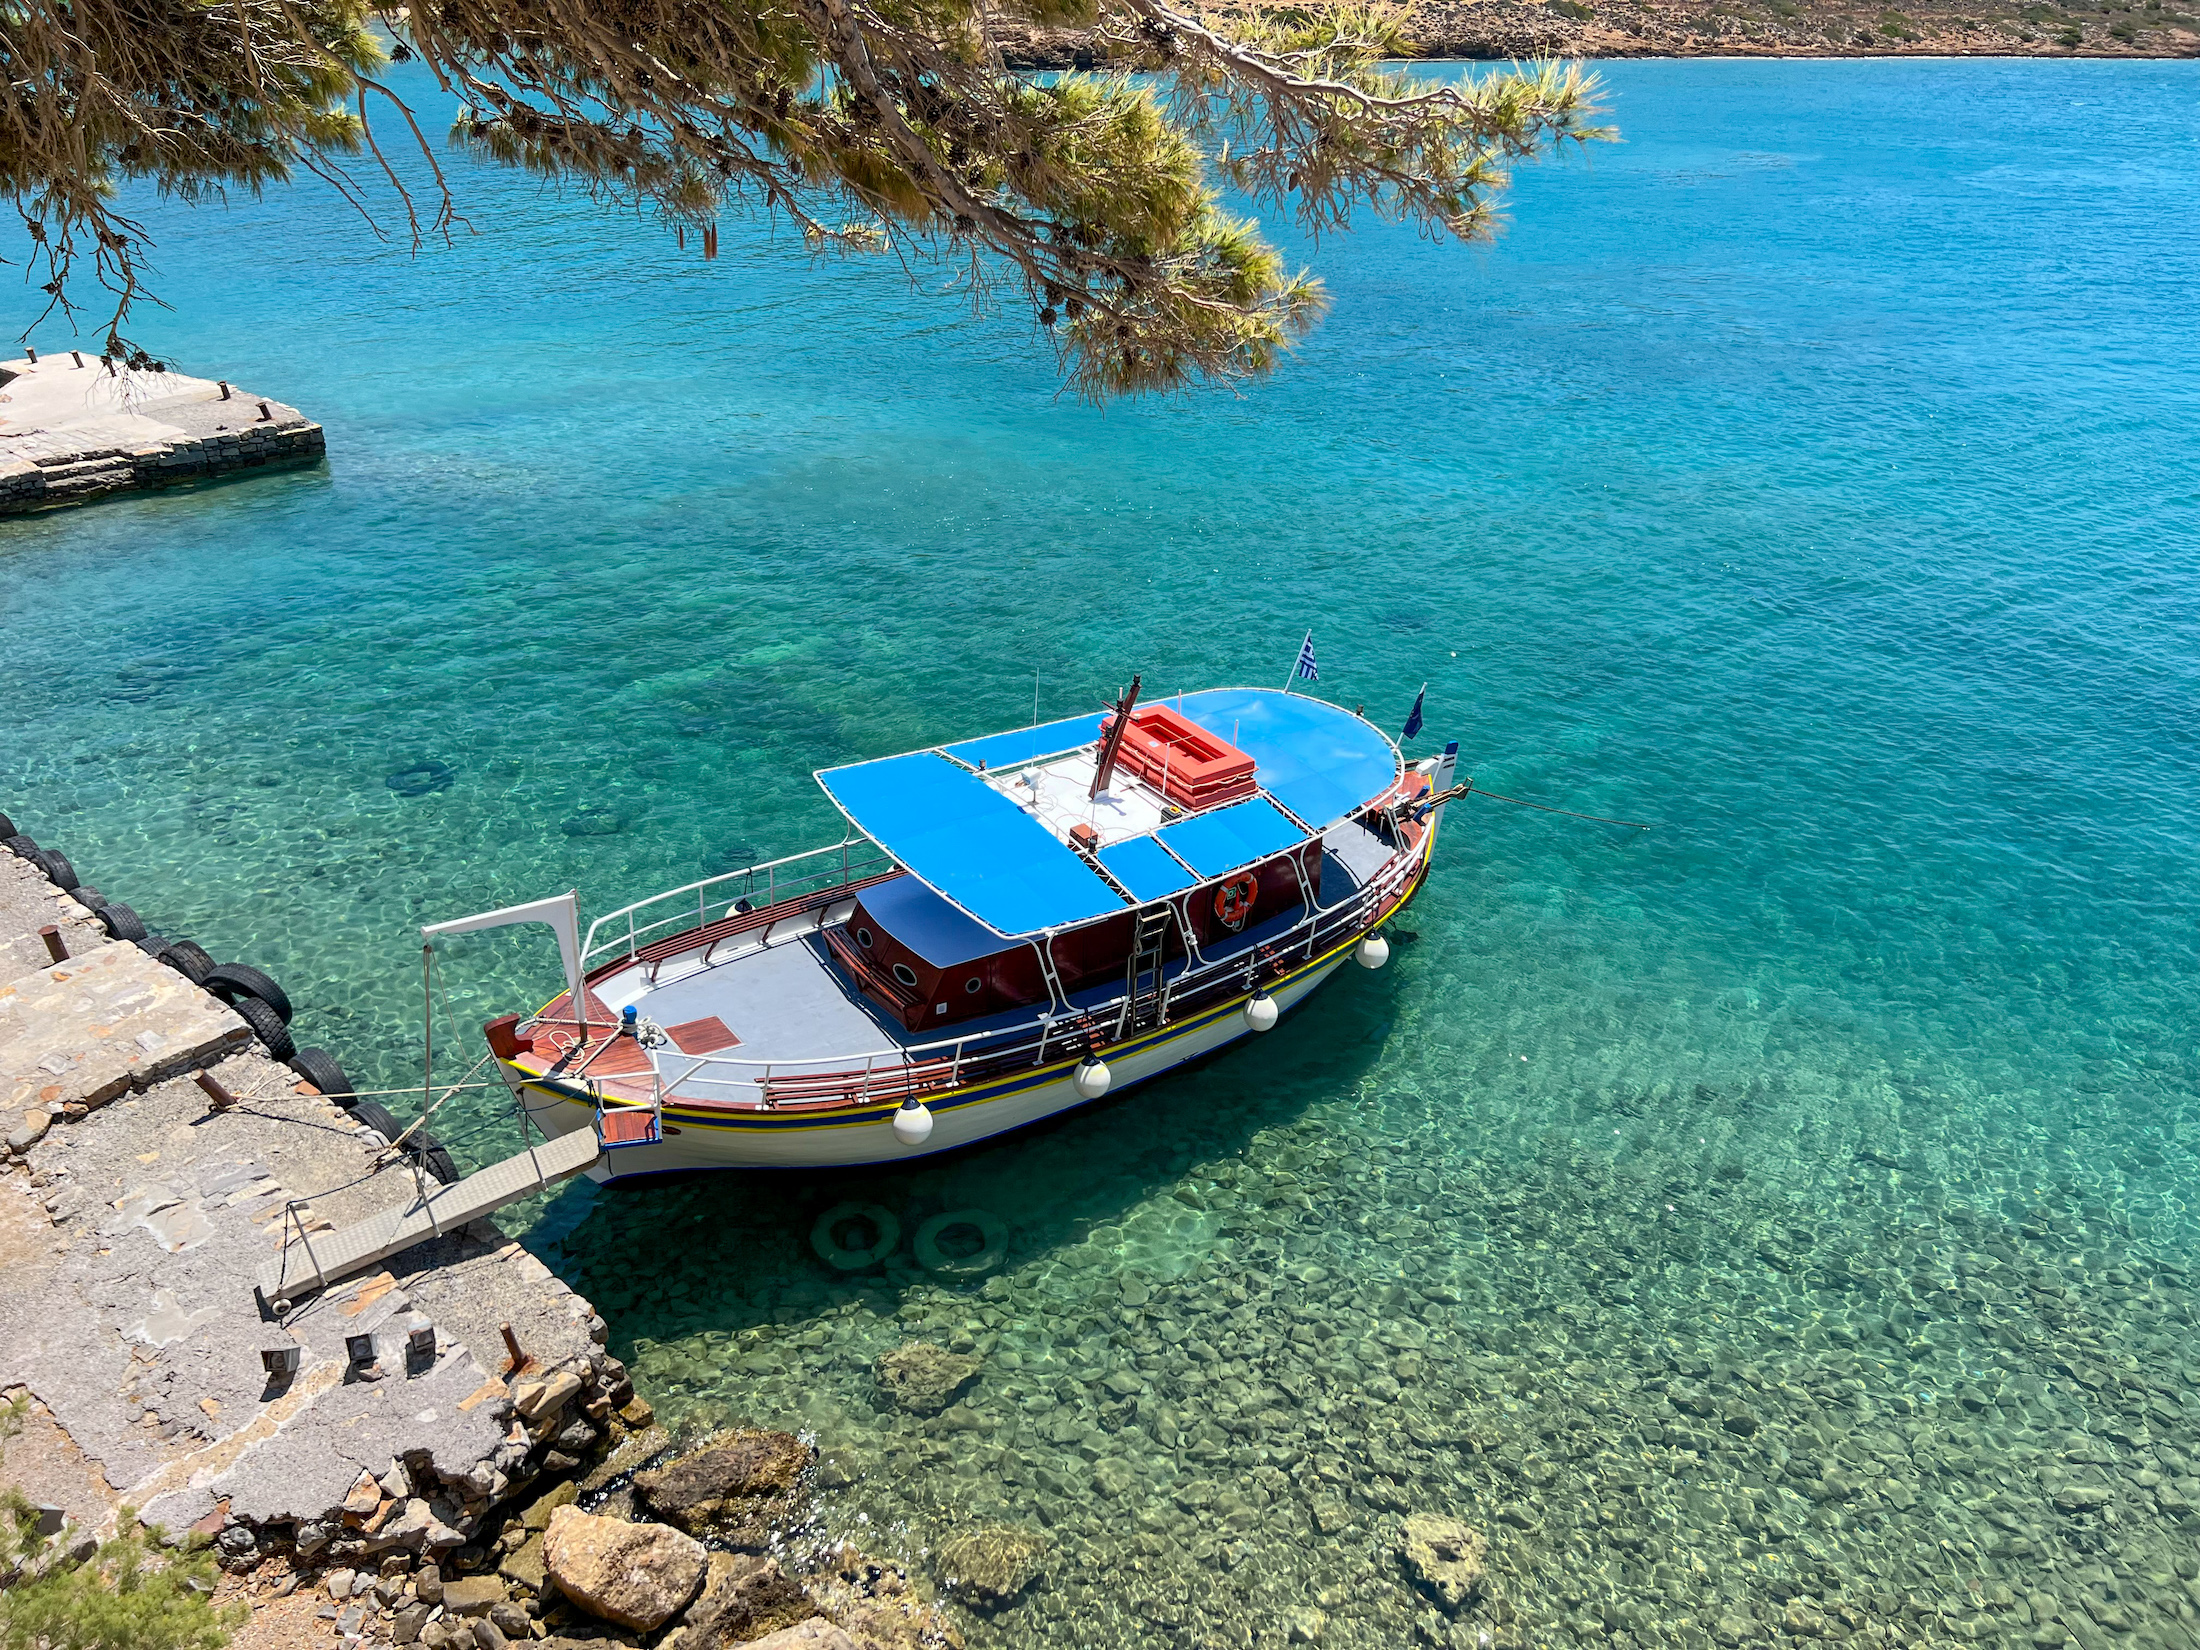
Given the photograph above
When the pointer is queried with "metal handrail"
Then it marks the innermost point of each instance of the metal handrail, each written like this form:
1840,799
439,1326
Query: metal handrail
634,936
955,1055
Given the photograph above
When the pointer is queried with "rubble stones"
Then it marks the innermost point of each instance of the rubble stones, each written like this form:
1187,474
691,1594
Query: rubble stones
637,1575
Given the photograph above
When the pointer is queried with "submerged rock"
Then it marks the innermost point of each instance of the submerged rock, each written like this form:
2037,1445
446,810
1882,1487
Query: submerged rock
872,1600
1446,1558
744,1597
991,1564
637,1575
924,1379
742,1488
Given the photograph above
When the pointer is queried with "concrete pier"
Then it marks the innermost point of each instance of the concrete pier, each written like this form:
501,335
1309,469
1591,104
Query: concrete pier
137,1211
74,427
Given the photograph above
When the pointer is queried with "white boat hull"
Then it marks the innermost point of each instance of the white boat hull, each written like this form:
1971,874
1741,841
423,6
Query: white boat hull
696,1138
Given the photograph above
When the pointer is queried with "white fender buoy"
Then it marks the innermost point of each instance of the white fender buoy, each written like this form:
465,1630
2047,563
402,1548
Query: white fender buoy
1372,952
1261,1011
1092,1078
913,1123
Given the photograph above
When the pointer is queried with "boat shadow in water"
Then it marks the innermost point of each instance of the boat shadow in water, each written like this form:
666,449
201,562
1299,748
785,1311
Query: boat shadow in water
1110,1186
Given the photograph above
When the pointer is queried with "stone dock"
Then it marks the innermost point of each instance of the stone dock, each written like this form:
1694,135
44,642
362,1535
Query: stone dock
137,1207
75,427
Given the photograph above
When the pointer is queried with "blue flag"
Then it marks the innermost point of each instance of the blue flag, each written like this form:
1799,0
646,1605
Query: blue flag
1305,671
1413,721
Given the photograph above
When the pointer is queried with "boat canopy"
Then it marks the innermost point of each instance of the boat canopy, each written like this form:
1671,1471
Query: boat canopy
940,814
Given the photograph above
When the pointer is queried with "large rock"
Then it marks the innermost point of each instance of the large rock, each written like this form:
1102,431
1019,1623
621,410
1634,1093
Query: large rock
1445,1557
815,1634
990,1565
744,1597
743,1488
872,1601
924,1379
638,1575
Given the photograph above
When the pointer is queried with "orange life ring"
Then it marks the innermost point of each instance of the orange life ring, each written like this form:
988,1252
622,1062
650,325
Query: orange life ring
1234,900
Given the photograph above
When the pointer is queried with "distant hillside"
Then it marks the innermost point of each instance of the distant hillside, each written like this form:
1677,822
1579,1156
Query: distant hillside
1757,28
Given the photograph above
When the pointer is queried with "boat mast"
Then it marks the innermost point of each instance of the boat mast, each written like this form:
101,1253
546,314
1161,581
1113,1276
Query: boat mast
1114,741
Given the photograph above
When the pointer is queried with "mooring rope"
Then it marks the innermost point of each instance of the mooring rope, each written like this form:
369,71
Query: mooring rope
1522,802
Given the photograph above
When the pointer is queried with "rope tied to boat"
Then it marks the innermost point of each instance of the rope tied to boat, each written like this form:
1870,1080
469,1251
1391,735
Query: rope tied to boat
1466,787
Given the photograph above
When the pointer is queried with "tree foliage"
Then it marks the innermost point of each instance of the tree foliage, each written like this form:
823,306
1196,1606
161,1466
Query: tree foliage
869,123
126,1596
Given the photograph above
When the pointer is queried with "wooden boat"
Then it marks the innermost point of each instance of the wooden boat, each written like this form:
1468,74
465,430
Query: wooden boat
1015,925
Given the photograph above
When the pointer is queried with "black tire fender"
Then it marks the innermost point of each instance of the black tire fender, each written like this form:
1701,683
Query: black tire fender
190,959
266,1025
318,1067
87,896
423,1148
121,922
377,1117
229,981
21,846
58,870
7,828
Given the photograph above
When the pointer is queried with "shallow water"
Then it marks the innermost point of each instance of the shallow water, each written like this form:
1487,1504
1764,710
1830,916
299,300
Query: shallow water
1774,1225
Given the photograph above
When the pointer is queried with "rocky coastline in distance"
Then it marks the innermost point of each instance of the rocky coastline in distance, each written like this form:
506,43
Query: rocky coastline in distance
1508,29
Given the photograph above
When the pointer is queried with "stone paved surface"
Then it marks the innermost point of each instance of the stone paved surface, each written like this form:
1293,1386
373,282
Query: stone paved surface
71,430
131,1232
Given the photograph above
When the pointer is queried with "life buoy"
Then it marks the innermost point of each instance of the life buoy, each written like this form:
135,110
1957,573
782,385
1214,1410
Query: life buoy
1234,900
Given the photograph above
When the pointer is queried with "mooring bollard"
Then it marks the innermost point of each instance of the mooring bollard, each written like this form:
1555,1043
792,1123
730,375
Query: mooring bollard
55,947
31,354
224,383
77,356
267,413
218,1097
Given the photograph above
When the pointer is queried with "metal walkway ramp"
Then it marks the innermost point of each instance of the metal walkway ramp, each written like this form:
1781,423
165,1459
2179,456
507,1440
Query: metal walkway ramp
309,1263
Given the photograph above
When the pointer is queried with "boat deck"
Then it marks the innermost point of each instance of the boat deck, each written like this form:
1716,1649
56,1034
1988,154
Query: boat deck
774,1003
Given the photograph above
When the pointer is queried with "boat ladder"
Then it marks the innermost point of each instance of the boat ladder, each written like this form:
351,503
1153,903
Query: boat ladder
631,1122
1146,986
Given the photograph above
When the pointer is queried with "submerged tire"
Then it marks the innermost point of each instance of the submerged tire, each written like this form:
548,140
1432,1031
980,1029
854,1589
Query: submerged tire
121,922
318,1067
230,981
190,959
825,1236
58,870
266,1025
992,1238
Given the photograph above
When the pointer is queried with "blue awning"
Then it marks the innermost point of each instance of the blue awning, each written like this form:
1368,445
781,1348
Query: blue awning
1013,750
1241,834
1145,870
1322,763
984,854
955,832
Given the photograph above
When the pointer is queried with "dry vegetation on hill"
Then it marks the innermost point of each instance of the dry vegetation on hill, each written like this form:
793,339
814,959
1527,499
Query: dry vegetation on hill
1756,28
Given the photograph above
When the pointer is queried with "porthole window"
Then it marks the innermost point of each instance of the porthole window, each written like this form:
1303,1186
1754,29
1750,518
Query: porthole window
904,973
973,985
863,938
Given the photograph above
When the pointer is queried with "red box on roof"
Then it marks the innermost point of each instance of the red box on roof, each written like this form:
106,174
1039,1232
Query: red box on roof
1191,767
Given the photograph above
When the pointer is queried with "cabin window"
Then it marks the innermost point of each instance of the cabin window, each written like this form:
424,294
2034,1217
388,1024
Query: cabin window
973,985
904,973
863,938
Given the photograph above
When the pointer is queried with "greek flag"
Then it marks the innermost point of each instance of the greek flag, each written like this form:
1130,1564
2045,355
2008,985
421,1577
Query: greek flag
1305,671
1413,720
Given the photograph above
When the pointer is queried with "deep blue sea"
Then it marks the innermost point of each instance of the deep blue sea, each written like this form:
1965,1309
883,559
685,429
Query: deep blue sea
1777,1222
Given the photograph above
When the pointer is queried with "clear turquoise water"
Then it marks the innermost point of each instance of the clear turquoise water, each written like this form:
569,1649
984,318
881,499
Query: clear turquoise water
1813,475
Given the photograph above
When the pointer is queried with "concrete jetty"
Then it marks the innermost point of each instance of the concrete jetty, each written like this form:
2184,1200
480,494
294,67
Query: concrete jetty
138,1207
75,427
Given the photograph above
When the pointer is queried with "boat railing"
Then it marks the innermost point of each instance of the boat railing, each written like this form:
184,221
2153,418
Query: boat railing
680,910
832,1082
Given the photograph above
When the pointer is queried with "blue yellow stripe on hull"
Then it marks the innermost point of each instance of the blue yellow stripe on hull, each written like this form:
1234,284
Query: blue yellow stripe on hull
697,1137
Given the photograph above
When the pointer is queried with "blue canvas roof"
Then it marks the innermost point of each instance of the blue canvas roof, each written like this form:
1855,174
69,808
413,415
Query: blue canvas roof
1320,762
957,833
1224,838
1145,869
982,852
